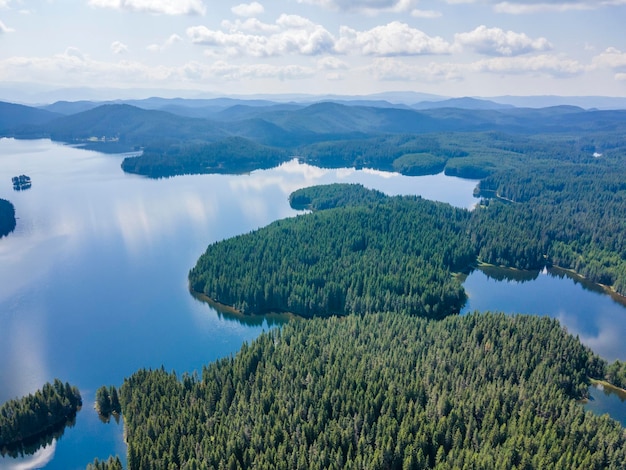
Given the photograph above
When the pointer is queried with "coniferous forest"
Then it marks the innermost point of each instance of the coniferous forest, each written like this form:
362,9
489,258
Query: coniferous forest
390,378
397,255
380,391
25,420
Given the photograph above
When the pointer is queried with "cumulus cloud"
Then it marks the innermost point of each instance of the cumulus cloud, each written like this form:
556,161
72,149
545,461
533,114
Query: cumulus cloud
248,9
291,34
392,39
497,42
544,64
118,47
612,58
165,7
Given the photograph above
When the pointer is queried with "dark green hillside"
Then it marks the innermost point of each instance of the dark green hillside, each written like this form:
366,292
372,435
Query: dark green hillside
570,215
230,155
380,392
131,126
18,120
396,255
7,217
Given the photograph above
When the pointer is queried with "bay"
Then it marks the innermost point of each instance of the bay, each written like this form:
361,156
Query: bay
93,281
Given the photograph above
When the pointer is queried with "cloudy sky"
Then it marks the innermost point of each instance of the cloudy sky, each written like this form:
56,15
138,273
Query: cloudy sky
446,47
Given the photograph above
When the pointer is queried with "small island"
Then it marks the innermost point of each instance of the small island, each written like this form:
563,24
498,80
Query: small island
30,418
21,182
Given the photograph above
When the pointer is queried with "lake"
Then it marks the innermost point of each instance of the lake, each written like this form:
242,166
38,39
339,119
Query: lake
94,278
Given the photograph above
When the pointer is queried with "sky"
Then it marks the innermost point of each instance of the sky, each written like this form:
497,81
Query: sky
453,48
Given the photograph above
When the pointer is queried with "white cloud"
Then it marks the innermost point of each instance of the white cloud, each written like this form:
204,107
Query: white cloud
370,7
611,58
521,7
118,48
5,29
544,64
393,39
389,69
165,7
248,9
495,41
516,8
426,14
620,77
294,35
224,70
173,39
250,25
331,63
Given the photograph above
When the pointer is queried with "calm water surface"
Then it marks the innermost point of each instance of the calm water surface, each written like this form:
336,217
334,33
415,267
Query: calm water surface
93,282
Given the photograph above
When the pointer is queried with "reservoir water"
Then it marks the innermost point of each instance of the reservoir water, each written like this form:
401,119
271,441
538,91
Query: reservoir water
93,282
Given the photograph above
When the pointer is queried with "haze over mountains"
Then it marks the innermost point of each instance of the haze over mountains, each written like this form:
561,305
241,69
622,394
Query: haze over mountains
137,123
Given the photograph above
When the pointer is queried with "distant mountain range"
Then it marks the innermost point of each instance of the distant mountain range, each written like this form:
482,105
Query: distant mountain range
162,122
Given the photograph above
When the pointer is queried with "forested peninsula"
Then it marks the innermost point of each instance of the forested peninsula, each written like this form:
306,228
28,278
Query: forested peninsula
26,420
7,217
380,391
395,255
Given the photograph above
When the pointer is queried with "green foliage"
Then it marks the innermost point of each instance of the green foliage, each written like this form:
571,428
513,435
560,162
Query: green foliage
397,255
7,217
112,463
231,155
380,391
35,415
616,374
570,215
334,195
107,401
415,164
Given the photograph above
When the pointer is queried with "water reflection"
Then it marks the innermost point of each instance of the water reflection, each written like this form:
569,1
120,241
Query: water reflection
581,307
39,459
32,446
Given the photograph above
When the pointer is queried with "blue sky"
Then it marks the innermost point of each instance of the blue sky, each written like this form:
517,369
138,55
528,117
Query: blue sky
446,47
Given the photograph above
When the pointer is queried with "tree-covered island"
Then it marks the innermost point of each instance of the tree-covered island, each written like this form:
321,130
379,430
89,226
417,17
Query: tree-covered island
25,420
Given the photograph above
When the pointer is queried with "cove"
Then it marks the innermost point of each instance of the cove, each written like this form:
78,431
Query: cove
94,277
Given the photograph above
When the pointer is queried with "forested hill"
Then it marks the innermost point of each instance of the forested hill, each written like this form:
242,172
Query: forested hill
396,255
7,217
380,392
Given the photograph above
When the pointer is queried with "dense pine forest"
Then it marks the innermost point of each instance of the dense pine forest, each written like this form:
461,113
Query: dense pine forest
372,385
25,420
397,255
380,391
7,217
